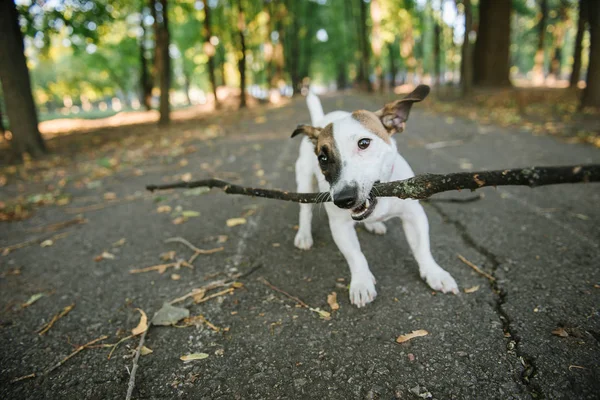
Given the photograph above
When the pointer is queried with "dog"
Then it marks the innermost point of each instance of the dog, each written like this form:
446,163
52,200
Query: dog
348,153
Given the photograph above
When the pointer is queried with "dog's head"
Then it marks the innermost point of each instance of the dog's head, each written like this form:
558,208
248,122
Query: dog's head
356,152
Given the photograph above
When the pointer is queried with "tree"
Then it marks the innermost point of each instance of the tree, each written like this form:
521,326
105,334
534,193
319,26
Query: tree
16,86
145,77
538,68
581,22
364,72
466,66
210,51
163,60
491,55
377,42
591,94
241,27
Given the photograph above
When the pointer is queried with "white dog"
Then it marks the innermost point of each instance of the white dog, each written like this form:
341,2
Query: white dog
348,153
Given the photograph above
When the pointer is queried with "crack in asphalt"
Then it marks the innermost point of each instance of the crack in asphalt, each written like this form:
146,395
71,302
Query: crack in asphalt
500,294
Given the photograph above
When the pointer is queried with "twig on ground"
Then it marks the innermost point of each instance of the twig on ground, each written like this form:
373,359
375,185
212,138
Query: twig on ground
22,378
275,288
212,296
59,225
44,329
192,247
6,250
161,268
131,384
476,268
78,350
421,186
115,345
204,289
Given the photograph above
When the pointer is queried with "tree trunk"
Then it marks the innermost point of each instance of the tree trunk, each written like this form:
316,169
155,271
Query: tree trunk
241,25
210,51
437,62
591,94
492,56
538,68
466,66
292,46
576,71
163,60
278,49
16,86
392,50
365,53
145,81
2,130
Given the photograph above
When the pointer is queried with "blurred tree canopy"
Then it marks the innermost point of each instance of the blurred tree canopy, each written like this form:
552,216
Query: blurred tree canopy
85,55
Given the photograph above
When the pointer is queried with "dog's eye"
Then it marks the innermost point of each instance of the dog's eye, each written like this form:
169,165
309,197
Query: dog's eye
364,143
323,158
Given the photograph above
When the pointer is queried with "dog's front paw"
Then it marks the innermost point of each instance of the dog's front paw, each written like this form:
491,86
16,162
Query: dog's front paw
377,228
362,290
439,279
303,240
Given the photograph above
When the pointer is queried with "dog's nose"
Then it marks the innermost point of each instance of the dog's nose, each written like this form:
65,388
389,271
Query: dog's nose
346,198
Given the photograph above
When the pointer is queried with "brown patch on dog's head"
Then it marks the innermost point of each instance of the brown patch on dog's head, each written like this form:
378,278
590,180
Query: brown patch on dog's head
325,146
311,132
394,115
372,123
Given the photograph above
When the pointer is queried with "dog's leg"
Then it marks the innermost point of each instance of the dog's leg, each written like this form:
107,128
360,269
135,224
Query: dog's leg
362,284
377,228
304,181
416,228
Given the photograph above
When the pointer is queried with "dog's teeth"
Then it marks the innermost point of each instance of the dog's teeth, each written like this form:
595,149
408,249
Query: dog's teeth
367,203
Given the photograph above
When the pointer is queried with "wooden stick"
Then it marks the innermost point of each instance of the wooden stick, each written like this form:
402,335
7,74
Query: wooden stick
476,268
275,288
79,349
421,186
131,384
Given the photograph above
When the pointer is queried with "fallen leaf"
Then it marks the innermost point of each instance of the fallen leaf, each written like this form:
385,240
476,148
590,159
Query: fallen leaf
222,238
332,301
145,351
324,314
560,331
175,277
163,209
260,173
169,315
119,243
169,255
110,196
196,191
412,335
142,326
260,119
235,222
237,285
104,256
190,214
186,177
472,289
179,220
47,243
194,356
32,300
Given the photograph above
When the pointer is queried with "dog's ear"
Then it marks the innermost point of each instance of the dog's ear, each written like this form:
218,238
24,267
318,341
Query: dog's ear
394,115
310,131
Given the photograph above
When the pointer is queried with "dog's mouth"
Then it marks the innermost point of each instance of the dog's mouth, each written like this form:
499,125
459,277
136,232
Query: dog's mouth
365,209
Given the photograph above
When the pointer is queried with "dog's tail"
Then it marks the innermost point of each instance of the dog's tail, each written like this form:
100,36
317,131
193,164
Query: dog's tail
314,107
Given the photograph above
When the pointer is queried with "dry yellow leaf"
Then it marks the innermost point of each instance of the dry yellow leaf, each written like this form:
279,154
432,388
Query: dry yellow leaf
412,335
110,196
145,351
222,238
199,295
472,289
186,177
235,222
175,277
163,209
179,220
332,301
560,331
167,256
194,356
47,243
143,325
